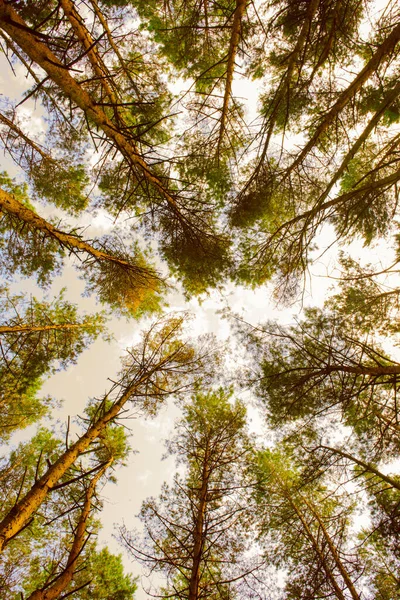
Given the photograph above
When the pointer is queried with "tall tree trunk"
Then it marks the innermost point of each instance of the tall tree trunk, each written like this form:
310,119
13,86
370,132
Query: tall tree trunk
390,97
361,370
115,48
233,46
334,552
369,468
19,133
346,96
25,328
198,530
53,590
37,51
284,86
308,215
67,240
23,510
83,35
328,571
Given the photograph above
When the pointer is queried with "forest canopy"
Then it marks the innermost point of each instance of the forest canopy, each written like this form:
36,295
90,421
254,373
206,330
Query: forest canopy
228,147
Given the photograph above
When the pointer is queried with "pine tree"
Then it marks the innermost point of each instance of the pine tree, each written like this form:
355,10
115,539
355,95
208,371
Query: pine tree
196,532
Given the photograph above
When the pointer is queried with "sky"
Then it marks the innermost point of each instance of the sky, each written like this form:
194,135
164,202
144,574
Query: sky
145,471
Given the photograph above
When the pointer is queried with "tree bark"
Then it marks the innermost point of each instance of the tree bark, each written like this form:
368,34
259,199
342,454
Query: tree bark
286,79
23,510
59,585
344,98
364,465
233,46
198,531
26,139
25,328
334,552
37,51
83,35
314,542
12,206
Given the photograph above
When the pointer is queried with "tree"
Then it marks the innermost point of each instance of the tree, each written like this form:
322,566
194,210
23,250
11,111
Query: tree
304,527
161,365
324,365
57,553
36,339
33,245
185,221
196,533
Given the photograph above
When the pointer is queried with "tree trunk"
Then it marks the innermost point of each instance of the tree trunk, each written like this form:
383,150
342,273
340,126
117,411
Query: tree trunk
198,531
385,182
23,510
24,328
364,465
338,592
388,100
83,35
18,132
334,552
37,51
73,243
285,82
383,50
53,590
233,46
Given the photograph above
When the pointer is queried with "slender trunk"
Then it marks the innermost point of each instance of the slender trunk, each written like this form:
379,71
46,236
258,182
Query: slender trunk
364,465
284,87
334,552
12,206
53,590
114,46
20,514
389,99
37,51
24,328
385,182
83,35
233,46
24,137
338,592
361,370
198,531
383,50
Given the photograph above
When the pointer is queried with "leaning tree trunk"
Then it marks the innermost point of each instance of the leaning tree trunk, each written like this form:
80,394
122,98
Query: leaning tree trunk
53,590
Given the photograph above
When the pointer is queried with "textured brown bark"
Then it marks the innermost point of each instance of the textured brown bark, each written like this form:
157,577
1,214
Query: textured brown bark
387,102
334,552
198,530
12,206
53,591
385,182
37,51
83,35
381,52
25,328
114,46
362,370
20,514
233,46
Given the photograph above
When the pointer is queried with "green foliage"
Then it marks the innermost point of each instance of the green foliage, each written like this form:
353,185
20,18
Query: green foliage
64,186
30,355
107,578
